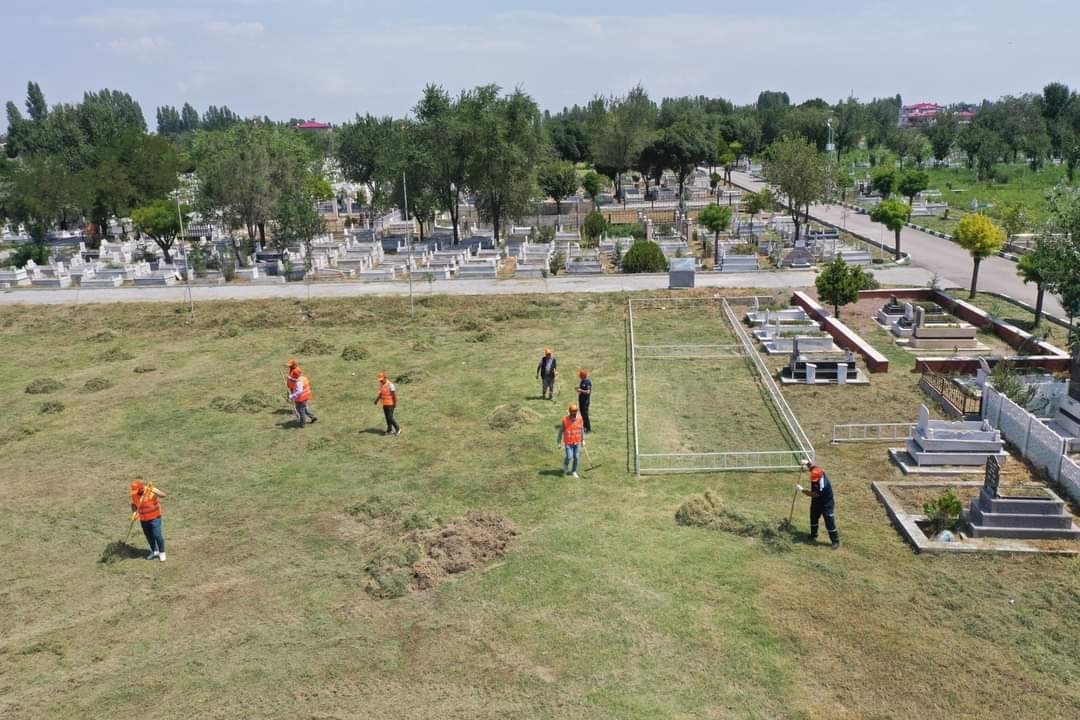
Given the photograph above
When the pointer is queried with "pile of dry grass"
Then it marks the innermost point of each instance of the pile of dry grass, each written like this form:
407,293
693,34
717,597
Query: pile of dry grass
314,346
353,353
51,407
44,386
250,402
116,354
97,384
509,417
103,336
708,512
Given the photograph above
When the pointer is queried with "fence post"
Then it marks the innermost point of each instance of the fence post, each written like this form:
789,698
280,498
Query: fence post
1027,435
1061,460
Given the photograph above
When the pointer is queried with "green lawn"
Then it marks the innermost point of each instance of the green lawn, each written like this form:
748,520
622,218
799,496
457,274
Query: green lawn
602,608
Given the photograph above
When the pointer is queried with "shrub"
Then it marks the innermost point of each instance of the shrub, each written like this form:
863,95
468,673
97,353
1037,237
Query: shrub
644,256
27,252
228,331
594,226
43,386
1010,383
943,512
634,230
557,263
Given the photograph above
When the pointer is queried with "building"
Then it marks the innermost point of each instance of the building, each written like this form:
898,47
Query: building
314,126
927,112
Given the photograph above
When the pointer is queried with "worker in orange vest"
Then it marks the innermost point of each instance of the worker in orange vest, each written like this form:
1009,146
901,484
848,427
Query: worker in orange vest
572,435
388,397
145,505
300,393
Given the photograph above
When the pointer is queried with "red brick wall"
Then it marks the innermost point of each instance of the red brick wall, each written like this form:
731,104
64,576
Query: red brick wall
842,335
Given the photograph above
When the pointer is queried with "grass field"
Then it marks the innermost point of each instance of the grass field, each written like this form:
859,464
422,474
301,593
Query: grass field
602,608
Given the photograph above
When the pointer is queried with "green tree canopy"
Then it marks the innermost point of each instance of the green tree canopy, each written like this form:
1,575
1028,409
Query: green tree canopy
716,219
558,180
160,220
593,183
893,214
884,180
644,256
839,284
800,172
911,183
593,228
978,234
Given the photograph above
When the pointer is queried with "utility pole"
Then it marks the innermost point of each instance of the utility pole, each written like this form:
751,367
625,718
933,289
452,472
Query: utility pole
408,239
183,249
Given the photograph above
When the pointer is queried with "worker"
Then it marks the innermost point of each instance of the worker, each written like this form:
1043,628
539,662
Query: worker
547,371
822,502
300,394
388,398
572,436
145,505
584,395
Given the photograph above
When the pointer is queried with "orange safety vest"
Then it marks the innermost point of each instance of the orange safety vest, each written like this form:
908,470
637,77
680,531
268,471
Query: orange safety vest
149,508
572,430
306,395
386,395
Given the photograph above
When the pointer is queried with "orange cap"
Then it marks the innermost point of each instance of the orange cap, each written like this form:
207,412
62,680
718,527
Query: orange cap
816,473
292,363
572,408
381,376
295,372
136,486
583,373
547,351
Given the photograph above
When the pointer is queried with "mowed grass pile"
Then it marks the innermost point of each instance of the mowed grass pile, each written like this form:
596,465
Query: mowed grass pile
601,606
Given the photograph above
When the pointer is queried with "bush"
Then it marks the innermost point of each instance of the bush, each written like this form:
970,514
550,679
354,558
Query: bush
557,263
943,512
544,234
27,252
1010,383
644,256
634,230
44,386
594,226
999,176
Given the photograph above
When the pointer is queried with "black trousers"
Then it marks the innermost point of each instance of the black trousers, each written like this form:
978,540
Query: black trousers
391,423
819,507
583,408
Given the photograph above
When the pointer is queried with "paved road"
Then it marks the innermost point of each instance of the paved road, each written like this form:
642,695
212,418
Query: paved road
950,261
592,283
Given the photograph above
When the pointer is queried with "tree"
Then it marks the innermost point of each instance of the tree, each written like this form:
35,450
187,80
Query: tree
364,152
912,183
978,234
681,147
1013,218
593,183
593,228
446,141
716,218
1037,267
622,132
839,283
893,214
558,179
644,256
942,135
507,141
884,180
296,221
160,220
759,201
800,172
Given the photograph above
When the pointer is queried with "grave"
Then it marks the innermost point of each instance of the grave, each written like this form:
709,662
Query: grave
905,325
1066,419
799,257
732,263
948,335
681,273
14,277
893,312
1040,516
948,447
825,368
788,315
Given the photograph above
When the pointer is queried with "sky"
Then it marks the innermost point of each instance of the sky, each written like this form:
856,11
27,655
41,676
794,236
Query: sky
332,59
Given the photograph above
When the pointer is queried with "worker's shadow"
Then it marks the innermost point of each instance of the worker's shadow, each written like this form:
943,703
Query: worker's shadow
293,424
285,411
550,473
120,550
372,431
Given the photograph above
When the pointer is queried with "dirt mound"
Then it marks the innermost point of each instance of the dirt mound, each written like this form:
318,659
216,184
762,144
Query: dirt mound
116,355
510,417
708,512
429,551
251,402
353,353
314,346
97,384
51,407
43,386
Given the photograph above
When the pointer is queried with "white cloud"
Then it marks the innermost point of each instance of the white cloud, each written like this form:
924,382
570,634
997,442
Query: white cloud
244,29
144,45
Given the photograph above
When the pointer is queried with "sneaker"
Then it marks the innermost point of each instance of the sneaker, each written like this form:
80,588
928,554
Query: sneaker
161,557
398,431
153,554
565,473
836,545
574,474
314,420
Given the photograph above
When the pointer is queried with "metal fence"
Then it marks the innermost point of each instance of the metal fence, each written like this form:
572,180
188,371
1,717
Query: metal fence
685,462
951,396
871,432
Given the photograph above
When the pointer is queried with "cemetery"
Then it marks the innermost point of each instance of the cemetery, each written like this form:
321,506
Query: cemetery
683,393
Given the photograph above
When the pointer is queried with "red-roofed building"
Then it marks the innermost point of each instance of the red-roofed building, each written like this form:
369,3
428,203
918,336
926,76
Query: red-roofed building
313,125
926,113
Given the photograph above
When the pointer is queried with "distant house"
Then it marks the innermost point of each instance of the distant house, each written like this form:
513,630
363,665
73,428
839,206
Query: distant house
314,126
927,113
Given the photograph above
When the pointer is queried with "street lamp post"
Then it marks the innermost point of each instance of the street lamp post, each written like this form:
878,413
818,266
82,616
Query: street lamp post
408,239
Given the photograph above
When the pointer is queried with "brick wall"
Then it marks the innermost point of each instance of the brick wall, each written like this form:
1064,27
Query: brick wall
842,335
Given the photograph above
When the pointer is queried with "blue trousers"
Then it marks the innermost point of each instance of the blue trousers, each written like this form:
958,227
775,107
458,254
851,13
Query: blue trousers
573,454
155,537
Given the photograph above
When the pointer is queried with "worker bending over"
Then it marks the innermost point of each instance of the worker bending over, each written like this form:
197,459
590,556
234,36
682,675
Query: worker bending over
822,502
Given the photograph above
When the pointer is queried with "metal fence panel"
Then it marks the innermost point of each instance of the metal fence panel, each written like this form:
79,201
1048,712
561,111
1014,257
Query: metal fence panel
871,432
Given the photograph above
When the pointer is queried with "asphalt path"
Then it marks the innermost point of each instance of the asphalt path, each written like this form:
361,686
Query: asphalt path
910,276
950,262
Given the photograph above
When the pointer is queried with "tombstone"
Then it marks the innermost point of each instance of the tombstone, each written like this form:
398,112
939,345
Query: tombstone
920,316
992,477
982,373
909,312
841,373
811,372
756,306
